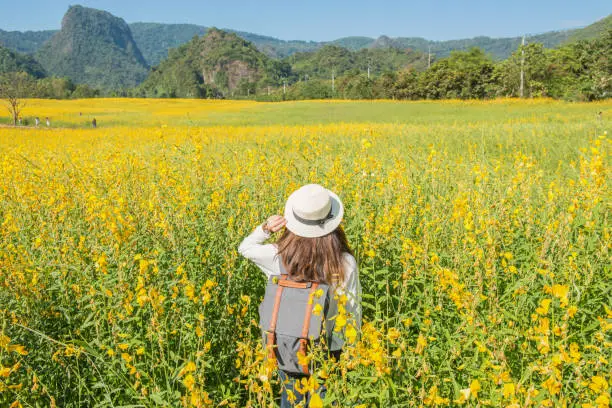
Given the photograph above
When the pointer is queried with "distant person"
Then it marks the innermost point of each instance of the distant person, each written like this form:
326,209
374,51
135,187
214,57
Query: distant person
599,116
19,121
37,121
48,121
80,113
94,124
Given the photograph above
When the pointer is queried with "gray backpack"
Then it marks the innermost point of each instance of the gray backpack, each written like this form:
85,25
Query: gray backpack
288,323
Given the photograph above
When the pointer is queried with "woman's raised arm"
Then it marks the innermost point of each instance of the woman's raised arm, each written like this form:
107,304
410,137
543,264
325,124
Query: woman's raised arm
263,255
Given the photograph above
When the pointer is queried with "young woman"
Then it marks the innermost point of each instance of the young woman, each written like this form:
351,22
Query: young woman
313,247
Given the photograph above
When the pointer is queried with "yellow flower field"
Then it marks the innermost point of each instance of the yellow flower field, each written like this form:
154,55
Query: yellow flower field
481,230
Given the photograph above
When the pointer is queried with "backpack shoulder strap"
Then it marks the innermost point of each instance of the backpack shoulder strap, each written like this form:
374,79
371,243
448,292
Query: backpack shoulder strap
272,330
306,325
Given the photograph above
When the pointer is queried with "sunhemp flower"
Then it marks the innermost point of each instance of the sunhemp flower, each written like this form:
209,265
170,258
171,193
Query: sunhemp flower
315,401
350,334
598,384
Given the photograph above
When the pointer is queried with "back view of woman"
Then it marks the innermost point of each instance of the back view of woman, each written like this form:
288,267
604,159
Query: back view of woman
312,248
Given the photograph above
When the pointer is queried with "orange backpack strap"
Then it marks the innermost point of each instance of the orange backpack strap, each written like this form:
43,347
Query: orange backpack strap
272,331
292,284
306,326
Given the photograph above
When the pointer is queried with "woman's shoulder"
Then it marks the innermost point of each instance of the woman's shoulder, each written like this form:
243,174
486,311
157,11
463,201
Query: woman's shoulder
350,261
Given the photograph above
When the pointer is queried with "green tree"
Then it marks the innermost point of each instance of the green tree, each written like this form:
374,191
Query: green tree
14,88
312,89
582,70
54,88
537,72
11,61
83,91
385,85
406,85
357,86
464,75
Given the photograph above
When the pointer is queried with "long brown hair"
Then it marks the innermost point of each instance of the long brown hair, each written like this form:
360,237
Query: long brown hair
318,259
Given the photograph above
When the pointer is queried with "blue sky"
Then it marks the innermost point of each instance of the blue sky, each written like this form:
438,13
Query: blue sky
320,20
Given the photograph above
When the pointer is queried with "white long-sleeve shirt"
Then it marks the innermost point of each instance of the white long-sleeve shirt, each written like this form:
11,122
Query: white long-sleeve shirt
265,257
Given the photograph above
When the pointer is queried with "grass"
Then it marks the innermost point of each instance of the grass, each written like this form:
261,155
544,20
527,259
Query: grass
176,112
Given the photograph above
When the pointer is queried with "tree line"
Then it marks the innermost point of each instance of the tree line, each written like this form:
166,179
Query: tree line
579,71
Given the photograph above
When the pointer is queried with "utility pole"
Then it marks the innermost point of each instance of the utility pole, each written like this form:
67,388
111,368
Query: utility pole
429,58
284,86
368,69
333,81
522,87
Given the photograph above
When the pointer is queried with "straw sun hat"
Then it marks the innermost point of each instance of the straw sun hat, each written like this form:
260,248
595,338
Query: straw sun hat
313,211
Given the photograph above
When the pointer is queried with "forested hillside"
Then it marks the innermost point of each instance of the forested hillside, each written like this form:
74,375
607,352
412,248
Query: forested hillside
11,61
222,64
499,48
27,42
275,48
592,31
95,48
217,64
155,39
340,61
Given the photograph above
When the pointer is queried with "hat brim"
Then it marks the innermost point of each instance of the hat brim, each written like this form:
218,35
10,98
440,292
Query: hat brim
314,231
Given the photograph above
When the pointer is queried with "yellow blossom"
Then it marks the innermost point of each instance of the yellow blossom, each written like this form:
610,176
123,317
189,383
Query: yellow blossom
544,305
598,384
189,381
475,388
315,401
421,344
508,390
350,333
340,322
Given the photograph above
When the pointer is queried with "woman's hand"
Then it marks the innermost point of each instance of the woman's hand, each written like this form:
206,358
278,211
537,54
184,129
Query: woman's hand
274,223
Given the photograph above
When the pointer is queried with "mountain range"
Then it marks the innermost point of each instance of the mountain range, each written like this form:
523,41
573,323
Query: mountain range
154,40
94,47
